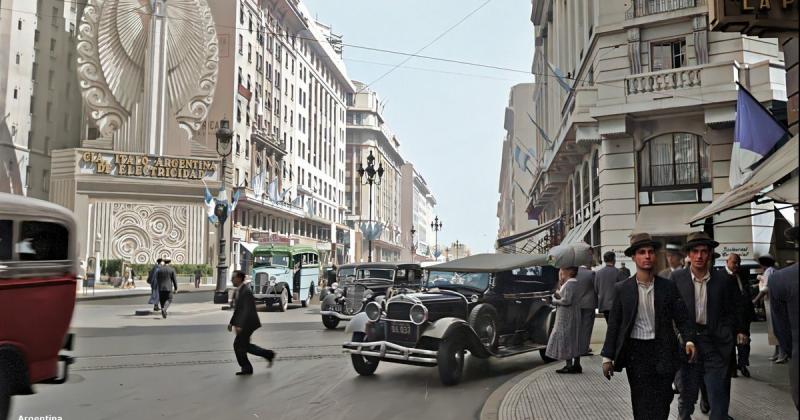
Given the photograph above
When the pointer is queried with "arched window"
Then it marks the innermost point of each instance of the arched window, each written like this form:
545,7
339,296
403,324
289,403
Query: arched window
568,209
585,197
595,181
674,167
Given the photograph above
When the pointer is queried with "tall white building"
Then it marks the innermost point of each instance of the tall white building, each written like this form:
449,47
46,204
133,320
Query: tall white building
417,212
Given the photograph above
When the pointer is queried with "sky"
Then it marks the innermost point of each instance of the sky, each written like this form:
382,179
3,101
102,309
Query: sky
448,117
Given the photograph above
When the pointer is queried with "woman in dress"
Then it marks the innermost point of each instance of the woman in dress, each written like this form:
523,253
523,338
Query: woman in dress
564,342
768,265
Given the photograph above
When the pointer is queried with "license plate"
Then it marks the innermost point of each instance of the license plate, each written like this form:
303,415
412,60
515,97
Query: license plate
402,331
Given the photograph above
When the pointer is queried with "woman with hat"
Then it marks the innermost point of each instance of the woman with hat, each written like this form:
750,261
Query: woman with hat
565,340
767,263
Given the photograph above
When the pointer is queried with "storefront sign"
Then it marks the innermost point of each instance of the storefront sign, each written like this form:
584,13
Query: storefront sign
265,238
745,251
134,165
753,17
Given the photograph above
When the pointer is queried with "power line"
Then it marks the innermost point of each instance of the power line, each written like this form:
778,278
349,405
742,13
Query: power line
432,70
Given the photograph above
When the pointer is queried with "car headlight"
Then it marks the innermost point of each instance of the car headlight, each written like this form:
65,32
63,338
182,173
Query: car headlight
418,314
272,280
334,285
373,311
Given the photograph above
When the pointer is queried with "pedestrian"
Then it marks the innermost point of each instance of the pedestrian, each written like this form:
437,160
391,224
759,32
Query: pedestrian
565,340
197,275
744,310
643,344
785,296
675,259
245,321
587,297
767,263
624,270
711,303
152,280
604,281
166,285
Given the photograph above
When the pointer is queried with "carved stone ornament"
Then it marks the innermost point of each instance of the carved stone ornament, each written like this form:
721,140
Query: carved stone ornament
143,232
114,47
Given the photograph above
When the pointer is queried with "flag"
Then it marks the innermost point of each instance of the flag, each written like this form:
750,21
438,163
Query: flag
298,201
371,230
258,184
541,130
209,202
518,158
234,200
560,78
310,207
272,190
525,193
755,134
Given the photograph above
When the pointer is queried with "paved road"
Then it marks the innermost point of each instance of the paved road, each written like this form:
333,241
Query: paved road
183,367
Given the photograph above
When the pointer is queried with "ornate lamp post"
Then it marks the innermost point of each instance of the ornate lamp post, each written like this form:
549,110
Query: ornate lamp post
370,180
436,225
224,148
457,245
413,244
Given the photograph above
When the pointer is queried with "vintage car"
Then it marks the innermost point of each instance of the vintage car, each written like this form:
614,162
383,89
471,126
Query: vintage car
360,284
490,305
285,274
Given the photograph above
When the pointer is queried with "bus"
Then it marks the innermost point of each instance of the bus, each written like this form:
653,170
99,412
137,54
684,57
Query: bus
284,274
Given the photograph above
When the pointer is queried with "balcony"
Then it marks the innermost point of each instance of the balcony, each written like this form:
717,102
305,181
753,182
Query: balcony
664,81
641,8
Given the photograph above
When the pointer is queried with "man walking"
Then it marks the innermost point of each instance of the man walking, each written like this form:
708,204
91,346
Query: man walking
197,275
784,288
744,310
245,321
587,298
710,300
674,260
624,270
152,280
604,281
166,284
643,344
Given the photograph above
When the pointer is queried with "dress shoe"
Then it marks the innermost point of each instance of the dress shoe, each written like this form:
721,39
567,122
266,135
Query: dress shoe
565,369
270,359
745,371
164,313
244,373
704,408
577,369
782,359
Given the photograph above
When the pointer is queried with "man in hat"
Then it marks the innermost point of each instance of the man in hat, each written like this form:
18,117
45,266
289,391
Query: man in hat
710,300
152,280
166,285
587,297
644,345
674,260
744,309
784,295
245,321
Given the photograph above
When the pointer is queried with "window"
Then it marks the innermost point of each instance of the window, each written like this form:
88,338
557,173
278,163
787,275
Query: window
596,182
52,45
54,17
674,167
17,61
585,200
238,146
46,180
6,239
19,24
668,55
43,241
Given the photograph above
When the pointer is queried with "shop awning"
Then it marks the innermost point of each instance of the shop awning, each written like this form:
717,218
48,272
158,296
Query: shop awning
512,239
775,167
577,233
787,192
667,220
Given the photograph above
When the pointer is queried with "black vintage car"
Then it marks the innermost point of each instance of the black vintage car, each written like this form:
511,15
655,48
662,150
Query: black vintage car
490,305
359,284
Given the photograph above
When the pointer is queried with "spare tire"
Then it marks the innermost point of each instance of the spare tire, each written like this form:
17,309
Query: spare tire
483,320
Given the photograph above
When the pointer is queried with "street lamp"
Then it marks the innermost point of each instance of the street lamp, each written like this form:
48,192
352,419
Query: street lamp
436,225
457,245
370,180
413,244
224,136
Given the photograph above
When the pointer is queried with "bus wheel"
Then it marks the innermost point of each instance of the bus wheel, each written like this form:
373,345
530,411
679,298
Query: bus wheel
283,304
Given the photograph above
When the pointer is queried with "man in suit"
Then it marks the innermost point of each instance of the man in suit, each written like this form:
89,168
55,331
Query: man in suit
744,310
710,300
166,285
674,260
604,281
152,280
641,338
624,270
784,296
587,298
245,321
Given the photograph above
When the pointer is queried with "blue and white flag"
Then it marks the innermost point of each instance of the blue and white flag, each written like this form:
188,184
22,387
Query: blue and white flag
559,77
755,134
298,201
234,200
520,157
541,130
371,230
272,190
210,203
258,184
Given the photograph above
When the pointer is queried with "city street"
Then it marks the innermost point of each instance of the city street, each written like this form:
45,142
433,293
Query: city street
183,367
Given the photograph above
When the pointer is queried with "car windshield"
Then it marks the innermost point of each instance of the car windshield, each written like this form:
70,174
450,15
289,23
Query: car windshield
346,274
447,279
375,273
271,260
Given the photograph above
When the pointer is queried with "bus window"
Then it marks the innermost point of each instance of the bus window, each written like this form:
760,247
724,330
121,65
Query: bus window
43,241
6,239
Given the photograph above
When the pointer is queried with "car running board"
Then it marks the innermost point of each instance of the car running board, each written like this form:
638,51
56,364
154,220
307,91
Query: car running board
513,351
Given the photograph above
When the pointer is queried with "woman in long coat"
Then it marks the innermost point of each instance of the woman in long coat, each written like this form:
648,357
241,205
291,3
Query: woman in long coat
565,340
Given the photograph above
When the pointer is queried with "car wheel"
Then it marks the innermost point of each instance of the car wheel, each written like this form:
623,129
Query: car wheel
303,303
483,319
364,365
451,358
543,355
283,304
330,322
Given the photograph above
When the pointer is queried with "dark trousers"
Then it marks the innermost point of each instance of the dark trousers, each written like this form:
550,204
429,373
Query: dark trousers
651,391
165,298
242,346
743,354
605,315
711,369
196,282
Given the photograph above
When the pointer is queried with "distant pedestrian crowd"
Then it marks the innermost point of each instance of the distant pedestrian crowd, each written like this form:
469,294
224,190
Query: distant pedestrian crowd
684,330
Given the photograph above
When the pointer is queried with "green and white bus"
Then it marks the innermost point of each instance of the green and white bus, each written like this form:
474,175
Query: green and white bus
284,274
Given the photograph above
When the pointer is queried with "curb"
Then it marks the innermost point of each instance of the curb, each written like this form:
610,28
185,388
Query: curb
491,408
121,294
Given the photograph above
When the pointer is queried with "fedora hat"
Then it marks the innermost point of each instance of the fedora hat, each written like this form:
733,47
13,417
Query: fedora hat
766,259
699,238
158,260
674,248
640,240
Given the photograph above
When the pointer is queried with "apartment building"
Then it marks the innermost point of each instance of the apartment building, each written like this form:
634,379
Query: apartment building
417,213
636,101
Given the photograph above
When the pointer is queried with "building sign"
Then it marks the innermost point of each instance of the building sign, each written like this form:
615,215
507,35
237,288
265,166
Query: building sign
135,165
745,251
266,238
753,17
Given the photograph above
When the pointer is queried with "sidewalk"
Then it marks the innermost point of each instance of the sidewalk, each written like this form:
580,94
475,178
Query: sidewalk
543,394
107,292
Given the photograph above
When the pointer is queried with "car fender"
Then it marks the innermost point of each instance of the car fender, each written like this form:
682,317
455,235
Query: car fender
438,328
542,323
329,299
14,369
450,326
357,324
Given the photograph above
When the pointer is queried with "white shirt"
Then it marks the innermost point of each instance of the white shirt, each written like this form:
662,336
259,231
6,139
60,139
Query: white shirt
700,297
644,326
736,276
